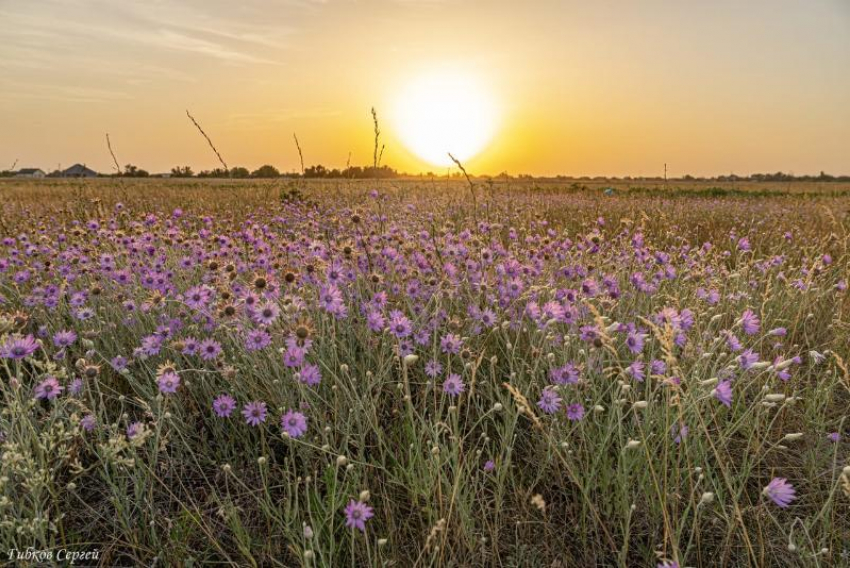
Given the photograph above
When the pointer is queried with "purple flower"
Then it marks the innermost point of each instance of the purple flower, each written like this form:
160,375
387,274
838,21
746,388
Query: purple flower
568,374
257,339
588,333
679,432
266,314
575,412
723,393
151,345
399,324
294,423
48,389
489,465
433,368
88,422
749,322
356,515
190,346
634,342
18,347
76,387
636,371
451,343
255,412
168,382
780,492
453,385
732,342
549,401
118,363
64,339
224,405
834,437
134,429
657,367
310,375
375,320
747,359
209,349
198,297
294,356
330,298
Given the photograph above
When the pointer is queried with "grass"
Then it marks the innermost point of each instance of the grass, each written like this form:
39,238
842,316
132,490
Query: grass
613,488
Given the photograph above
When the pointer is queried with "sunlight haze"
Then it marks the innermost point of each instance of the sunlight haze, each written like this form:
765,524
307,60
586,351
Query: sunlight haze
579,88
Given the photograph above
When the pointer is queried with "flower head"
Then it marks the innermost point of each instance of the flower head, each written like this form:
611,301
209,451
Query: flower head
209,349
453,385
134,429
18,347
88,422
575,412
64,339
310,375
356,515
549,401
749,322
48,389
168,382
780,492
223,405
294,423
255,412
723,393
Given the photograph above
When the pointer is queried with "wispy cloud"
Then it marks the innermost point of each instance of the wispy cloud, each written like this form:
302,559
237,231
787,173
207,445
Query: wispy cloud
272,118
79,29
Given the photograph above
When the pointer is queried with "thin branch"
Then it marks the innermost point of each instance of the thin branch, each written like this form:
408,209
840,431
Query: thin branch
300,155
204,134
114,159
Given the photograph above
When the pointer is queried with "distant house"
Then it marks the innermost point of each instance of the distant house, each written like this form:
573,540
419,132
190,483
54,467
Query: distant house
78,171
30,173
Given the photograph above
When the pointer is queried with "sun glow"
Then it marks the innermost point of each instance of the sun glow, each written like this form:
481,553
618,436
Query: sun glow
443,112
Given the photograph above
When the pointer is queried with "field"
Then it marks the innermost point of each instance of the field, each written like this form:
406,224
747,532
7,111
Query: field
424,373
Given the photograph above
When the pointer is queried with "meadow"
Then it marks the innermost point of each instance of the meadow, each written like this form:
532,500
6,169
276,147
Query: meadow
425,373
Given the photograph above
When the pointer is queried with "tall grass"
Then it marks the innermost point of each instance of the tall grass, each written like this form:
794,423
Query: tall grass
484,478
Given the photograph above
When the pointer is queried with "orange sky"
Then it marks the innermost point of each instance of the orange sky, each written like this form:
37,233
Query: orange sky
581,88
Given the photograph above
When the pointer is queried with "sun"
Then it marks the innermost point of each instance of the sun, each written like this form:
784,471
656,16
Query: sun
442,112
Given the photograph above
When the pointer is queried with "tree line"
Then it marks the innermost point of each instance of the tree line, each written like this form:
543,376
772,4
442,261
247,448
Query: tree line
269,171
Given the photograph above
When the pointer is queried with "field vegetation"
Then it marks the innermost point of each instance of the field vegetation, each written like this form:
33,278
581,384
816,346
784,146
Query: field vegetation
426,372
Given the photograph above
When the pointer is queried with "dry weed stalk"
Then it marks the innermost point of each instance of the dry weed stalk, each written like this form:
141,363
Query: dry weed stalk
300,154
111,153
204,134
523,406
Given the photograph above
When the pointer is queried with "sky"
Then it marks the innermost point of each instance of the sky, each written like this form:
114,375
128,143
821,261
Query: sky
571,87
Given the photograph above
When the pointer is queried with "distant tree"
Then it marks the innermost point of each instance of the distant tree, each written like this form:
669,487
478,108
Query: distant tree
133,171
266,171
318,171
239,172
215,173
182,172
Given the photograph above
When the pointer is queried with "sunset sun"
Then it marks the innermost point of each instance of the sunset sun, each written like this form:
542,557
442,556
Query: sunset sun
445,112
